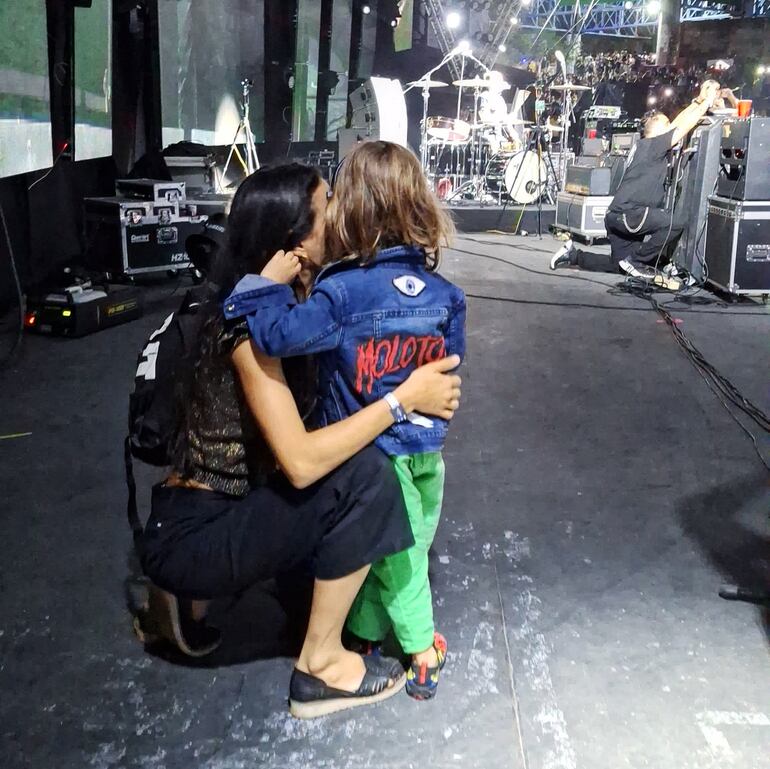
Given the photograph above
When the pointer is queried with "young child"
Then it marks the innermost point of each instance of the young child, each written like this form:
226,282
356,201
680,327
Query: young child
374,314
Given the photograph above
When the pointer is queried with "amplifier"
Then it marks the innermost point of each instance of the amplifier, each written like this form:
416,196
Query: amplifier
738,245
582,214
588,179
745,159
130,236
595,176
593,147
700,168
621,143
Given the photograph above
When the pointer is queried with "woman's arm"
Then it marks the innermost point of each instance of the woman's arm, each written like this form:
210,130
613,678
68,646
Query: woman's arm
306,456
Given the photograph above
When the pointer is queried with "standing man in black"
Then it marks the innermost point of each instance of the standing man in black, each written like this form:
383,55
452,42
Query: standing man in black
638,227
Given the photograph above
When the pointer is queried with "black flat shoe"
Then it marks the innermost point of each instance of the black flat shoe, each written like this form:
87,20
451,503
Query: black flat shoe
163,620
310,697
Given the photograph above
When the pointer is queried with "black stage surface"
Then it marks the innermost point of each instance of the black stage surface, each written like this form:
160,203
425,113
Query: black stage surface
597,496
471,217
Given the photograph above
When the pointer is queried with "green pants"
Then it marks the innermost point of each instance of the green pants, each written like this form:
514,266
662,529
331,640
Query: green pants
396,594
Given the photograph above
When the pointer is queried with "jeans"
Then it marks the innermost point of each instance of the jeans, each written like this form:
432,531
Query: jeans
654,232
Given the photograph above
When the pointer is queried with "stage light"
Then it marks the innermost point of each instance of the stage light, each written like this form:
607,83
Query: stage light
668,92
366,9
526,3
514,20
653,8
464,46
651,100
453,20
761,69
628,5
502,48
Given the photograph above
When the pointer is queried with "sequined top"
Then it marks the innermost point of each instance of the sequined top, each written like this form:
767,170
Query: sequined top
223,441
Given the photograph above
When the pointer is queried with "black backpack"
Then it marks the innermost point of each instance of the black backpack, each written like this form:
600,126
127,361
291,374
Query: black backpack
151,404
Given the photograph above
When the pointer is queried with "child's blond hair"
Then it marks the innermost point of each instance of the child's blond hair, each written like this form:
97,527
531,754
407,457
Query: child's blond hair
382,198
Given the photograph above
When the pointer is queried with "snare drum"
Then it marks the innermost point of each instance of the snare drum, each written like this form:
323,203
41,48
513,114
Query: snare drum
521,176
448,130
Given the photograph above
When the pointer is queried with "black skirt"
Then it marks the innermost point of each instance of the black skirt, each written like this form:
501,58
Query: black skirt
204,544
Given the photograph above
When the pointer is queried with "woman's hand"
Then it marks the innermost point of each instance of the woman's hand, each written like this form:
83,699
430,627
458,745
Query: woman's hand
431,390
282,268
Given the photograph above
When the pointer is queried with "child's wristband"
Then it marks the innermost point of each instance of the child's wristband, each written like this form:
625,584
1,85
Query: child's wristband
396,409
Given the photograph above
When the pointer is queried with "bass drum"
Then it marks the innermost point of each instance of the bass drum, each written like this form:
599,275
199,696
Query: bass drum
521,176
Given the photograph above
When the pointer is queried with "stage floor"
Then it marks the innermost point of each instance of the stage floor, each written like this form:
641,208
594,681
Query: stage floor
471,217
597,496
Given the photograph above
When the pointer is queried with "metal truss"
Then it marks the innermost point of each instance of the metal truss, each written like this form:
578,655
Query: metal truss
761,8
446,39
615,20
500,30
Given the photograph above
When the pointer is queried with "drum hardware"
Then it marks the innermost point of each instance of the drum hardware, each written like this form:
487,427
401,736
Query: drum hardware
425,84
567,87
531,190
472,82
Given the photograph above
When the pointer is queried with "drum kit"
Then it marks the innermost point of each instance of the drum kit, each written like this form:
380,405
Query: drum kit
489,156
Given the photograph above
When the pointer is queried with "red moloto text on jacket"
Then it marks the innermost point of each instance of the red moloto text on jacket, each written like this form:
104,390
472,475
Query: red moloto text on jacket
375,359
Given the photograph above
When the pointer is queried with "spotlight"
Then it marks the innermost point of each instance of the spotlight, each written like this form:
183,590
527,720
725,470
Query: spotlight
651,100
453,20
761,69
628,5
514,20
502,48
464,46
526,3
668,92
367,9
653,8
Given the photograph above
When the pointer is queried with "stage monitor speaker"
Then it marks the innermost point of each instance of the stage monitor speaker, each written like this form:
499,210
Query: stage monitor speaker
701,168
745,159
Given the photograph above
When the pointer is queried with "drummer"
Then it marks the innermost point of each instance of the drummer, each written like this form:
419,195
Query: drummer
493,110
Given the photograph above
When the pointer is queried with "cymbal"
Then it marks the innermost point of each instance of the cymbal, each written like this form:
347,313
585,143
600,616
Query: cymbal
429,83
472,82
570,87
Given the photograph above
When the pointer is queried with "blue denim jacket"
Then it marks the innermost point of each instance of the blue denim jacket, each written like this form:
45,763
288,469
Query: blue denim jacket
369,326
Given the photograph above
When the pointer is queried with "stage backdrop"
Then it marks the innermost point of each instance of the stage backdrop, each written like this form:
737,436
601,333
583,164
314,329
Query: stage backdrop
206,48
25,101
93,81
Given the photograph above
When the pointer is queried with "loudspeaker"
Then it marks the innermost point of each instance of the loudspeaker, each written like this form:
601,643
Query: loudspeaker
700,171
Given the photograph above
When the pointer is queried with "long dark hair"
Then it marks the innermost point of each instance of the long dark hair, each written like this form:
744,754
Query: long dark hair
271,211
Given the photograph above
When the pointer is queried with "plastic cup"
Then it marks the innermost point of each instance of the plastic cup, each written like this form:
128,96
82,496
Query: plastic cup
744,107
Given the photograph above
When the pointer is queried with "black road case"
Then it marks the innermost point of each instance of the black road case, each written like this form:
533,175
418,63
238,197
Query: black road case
738,245
128,236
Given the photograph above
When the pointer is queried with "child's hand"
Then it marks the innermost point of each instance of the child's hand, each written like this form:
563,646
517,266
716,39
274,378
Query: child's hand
282,268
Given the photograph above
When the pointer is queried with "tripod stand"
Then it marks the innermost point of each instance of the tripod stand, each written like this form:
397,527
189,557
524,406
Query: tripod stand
535,144
251,163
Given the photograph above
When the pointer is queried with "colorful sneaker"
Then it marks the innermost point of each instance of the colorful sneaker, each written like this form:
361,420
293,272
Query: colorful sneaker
422,681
